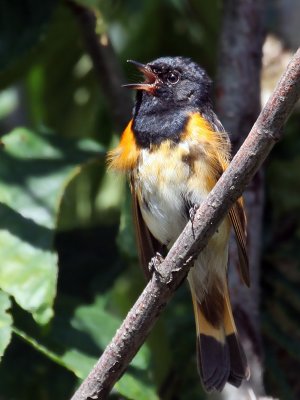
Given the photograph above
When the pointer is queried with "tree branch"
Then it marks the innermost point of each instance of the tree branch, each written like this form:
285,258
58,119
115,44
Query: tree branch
106,64
135,328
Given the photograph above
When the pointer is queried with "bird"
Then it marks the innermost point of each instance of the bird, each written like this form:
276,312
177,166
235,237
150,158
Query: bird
174,150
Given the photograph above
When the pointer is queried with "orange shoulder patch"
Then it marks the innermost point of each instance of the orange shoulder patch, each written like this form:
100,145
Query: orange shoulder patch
197,126
125,156
215,147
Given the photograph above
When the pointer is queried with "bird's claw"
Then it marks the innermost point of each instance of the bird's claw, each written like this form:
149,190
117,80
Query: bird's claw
192,211
155,263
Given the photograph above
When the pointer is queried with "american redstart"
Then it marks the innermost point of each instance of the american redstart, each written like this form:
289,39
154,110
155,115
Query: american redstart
174,150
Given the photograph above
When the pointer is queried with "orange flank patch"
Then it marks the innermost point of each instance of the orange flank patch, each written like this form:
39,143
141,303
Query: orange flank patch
125,156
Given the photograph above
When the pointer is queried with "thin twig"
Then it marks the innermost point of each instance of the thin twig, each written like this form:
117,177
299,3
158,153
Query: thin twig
106,64
141,318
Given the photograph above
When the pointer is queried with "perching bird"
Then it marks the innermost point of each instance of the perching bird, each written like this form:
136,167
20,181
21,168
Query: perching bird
174,150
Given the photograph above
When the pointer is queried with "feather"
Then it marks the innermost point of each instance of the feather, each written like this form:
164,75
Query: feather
219,354
125,156
219,160
148,246
238,220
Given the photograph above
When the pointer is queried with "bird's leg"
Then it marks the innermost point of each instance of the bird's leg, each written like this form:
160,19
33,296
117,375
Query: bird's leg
155,263
192,213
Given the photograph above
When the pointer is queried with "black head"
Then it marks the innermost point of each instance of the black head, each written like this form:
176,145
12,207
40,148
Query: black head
173,81
174,87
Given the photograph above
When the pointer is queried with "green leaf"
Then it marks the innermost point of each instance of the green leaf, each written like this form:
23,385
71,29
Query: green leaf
134,388
91,197
5,322
77,336
33,171
101,326
72,359
62,82
28,274
8,102
126,236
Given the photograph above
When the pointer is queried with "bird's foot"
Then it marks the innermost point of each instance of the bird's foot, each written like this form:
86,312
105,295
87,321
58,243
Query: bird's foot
155,263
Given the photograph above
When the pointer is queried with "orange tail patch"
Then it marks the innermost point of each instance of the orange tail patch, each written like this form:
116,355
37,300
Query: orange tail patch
219,354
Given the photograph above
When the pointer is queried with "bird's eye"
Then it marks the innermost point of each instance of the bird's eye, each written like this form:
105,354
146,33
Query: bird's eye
173,77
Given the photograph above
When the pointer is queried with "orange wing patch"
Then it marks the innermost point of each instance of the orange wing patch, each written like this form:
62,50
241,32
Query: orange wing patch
125,156
216,149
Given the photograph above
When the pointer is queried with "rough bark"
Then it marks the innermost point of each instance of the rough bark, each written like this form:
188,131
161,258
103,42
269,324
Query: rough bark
141,318
238,105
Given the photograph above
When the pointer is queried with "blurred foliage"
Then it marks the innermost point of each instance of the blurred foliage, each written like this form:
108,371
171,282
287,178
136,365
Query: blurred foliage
69,270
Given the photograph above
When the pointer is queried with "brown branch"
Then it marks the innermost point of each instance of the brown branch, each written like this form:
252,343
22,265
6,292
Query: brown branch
238,105
172,271
106,64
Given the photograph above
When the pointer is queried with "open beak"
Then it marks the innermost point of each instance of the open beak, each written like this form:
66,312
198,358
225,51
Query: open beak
150,78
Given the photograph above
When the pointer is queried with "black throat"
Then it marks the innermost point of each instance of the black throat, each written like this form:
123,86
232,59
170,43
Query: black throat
155,122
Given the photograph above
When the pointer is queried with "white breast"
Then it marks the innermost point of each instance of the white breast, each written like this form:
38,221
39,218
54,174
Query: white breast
164,192
167,184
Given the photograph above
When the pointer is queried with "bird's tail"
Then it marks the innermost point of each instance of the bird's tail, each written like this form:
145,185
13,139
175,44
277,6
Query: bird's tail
220,355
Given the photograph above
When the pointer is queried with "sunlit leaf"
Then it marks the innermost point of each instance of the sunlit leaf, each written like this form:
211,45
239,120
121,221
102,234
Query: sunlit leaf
134,388
78,335
72,359
91,197
32,175
5,322
101,327
61,86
